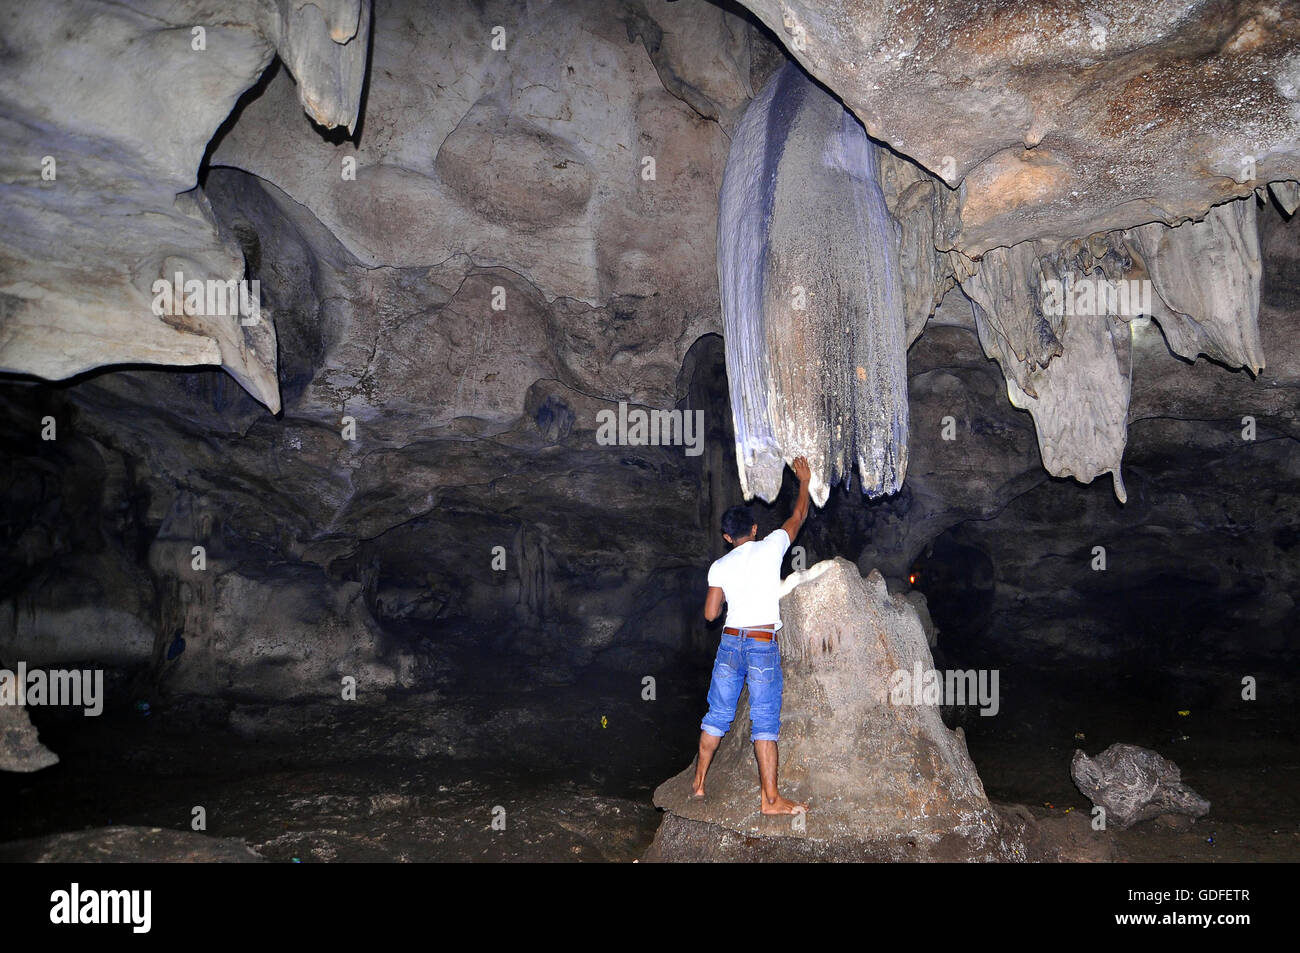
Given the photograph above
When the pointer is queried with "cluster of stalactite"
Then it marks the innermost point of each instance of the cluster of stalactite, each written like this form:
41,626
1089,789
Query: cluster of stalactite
830,264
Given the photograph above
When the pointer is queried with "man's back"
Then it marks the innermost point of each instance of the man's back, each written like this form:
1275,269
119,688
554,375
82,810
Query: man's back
750,578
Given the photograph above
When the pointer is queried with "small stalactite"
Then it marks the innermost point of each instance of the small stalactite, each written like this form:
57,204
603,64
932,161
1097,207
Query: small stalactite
185,598
530,556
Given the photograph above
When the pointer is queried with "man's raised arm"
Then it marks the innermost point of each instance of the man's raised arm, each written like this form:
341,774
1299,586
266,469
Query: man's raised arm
795,522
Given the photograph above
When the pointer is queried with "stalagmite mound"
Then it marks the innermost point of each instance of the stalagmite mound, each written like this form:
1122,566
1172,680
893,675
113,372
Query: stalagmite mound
883,780
20,747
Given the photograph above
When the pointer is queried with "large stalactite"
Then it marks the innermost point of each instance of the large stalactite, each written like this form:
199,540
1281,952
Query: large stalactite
812,296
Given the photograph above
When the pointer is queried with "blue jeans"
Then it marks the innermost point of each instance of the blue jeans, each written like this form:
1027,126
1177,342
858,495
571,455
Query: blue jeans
739,661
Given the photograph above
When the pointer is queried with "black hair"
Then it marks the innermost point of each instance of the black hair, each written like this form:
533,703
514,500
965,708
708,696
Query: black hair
737,521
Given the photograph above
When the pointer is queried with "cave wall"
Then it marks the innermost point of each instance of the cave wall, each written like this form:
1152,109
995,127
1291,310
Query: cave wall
418,426
421,427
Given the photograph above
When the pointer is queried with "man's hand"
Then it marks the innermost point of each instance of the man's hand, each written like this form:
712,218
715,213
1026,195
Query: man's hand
795,522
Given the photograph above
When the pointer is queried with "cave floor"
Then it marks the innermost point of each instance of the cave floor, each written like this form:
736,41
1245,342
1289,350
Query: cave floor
1243,757
566,771
404,777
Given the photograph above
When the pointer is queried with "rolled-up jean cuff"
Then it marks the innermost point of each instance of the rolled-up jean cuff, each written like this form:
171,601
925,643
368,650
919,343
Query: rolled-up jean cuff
710,730
763,736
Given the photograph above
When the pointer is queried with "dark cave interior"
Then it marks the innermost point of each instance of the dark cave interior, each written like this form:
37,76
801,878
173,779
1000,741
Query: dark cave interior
503,697
425,588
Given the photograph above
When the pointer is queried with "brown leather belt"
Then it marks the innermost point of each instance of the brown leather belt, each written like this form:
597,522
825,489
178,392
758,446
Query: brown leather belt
759,633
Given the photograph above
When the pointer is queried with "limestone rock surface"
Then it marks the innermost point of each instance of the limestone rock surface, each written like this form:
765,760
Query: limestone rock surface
20,747
106,115
1134,784
1059,120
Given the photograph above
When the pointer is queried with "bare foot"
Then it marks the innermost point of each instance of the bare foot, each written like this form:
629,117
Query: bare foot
783,806
698,791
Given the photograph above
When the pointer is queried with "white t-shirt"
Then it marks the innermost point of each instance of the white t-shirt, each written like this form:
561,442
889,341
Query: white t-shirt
750,578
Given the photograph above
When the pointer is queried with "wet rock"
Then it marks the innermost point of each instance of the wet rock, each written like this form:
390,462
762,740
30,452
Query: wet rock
554,824
1134,784
679,840
128,845
20,747
882,780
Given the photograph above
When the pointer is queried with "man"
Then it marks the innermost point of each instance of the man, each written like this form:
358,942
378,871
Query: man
749,578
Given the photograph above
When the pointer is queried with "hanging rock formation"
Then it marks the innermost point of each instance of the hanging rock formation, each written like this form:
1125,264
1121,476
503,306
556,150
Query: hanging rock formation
1057,315
883,780
1206,278
1018,140
812,296
1047,180
1069,369
323,42
1059,318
